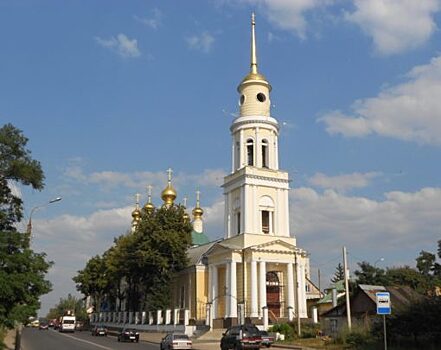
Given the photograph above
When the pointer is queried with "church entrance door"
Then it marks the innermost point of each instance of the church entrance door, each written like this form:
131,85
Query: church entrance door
273,294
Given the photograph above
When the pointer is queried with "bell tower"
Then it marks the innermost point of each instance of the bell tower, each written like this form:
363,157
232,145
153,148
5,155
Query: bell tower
256,191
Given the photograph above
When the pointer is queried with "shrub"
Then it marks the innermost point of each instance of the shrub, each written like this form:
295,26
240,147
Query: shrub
283,328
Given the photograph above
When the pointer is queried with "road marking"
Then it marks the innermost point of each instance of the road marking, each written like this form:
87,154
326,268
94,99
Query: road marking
88,342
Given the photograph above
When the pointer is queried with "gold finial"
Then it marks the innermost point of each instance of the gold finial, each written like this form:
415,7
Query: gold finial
197,211
253,45
168,195
185,201
136,214
149,207
254,75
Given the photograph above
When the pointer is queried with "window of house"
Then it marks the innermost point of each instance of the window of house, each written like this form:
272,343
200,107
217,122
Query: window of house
265,221
250,152
264,153
238,222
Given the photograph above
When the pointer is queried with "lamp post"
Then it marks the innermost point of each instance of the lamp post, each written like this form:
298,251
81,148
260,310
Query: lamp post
29,227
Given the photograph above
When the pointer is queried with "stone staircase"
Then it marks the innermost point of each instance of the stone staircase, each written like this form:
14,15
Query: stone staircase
212,335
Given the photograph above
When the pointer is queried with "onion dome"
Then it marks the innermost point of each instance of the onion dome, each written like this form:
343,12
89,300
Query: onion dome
149,207
168,195
136,214
197,211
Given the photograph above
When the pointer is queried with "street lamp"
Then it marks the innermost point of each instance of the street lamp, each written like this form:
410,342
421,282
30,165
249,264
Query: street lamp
29,227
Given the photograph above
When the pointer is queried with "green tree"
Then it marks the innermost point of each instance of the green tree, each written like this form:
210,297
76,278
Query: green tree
16,165
425,262
22,270
70,304
21,279
339,274
368,274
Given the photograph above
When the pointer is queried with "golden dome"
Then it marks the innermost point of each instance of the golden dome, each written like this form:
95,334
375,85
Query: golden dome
149,207
197,212
168,195
186,217
136,214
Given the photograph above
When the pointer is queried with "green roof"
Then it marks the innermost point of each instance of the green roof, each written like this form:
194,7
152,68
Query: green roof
199,238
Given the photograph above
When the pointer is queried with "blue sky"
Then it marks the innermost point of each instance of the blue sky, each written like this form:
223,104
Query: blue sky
111,94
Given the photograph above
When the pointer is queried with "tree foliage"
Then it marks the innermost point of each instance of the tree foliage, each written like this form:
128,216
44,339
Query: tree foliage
339,274
22,271
16,165
141,265
70,304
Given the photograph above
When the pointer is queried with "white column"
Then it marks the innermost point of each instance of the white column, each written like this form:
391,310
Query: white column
175,316
214,289
143,317
241,149
242,209
158,316
257,228
257,160
276,153
227,216
290,278
265,317
262,286
254,310
150,317
168,316
302,290
233,289
227,297
233,158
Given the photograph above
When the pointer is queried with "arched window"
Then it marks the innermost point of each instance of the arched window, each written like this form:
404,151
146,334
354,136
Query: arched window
264,153
250,152
266,207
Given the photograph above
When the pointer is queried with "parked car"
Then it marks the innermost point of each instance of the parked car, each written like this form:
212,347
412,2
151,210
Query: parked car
43,326
99,330
240,337
267,339
128,334
175,341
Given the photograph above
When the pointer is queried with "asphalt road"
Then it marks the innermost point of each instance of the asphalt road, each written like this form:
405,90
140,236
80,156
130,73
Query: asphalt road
34,339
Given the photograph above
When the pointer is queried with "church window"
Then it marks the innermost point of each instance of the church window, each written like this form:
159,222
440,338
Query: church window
265,221
250,152
264,154
242,99
238,222
261,97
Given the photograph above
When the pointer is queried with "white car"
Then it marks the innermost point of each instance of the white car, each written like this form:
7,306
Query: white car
175,341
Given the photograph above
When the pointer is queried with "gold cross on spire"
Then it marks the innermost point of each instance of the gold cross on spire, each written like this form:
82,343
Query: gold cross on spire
169,172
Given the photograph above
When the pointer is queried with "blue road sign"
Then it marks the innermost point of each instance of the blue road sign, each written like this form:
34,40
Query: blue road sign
383,303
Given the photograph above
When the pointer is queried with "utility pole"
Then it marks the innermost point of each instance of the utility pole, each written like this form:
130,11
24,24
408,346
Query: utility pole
348,303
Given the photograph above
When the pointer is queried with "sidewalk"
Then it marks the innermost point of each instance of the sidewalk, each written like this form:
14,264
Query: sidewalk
10,339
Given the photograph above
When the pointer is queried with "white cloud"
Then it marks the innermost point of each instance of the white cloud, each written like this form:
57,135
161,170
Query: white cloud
402,223
395,25
343,182
203,42
408,111
124,46
288,14
154,21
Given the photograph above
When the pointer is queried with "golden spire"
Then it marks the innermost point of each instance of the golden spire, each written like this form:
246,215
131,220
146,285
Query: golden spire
197,211
253,45
168,195
254,75
136,214
149,207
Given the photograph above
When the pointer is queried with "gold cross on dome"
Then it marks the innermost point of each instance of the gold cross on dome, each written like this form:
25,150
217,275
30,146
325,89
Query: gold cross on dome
169,172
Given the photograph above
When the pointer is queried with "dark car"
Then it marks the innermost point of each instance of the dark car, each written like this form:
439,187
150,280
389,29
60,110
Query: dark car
240,337
175,341
99,330
128,334
43,326
267,339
